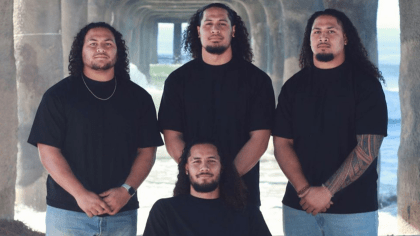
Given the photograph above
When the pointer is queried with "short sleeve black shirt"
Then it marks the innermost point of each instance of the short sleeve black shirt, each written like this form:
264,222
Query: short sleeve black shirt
98,139
224,103
185,215
323,111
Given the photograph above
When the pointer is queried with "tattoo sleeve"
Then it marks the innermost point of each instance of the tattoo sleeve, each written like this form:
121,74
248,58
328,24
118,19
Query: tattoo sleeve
356,163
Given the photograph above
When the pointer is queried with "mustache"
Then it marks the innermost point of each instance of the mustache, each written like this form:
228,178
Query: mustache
323,44
210,175
100,54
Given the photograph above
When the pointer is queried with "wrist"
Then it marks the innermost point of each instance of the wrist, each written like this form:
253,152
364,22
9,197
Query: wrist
303,191
328,190
131,191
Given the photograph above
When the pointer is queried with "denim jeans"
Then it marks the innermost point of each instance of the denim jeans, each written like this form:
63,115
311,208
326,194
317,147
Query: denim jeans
298,222
61,222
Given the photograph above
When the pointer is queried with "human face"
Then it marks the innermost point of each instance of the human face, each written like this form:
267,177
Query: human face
215,31
99,49
203,168
328,41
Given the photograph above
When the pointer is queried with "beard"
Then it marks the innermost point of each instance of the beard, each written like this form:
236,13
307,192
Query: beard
103,67
206,187
324,57
218,50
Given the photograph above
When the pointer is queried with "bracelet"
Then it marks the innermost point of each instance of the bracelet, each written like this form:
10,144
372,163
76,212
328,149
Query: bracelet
303,190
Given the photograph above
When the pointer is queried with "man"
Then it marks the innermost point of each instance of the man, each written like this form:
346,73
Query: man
97,133
209,199
330,122
219,95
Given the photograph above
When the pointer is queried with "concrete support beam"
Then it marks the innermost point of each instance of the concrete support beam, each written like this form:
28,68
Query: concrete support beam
177,43
73,18
8,113
408,152
363,16
153,44
295,16
38,53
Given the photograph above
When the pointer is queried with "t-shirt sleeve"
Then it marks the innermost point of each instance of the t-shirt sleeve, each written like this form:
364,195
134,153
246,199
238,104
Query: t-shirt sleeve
262,106
156,222
49,123
283,125
148,128
371,109
257,224
170,110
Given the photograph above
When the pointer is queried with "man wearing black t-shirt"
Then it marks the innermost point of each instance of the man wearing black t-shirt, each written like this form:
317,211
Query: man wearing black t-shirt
209,199
97,133
330,122
220,94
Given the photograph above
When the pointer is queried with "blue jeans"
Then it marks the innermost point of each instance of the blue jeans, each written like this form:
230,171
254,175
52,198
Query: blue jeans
61,222
298,222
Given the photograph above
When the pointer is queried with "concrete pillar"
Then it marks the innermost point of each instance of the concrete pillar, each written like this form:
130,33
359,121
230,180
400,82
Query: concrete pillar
73,18
96,10
409,84
8,113
177,43
274,19
134,47
363,16
153,43
259,32
39,65
241,11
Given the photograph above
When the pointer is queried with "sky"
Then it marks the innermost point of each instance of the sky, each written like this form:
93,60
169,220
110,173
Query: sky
388,14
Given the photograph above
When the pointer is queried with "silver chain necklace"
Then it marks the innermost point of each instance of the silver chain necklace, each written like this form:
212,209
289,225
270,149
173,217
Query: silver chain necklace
103,99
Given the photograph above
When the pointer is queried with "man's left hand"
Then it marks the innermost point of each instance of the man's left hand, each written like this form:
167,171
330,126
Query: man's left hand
317,200
115,198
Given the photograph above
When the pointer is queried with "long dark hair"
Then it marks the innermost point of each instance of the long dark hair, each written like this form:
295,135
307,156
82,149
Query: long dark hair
240,43
75,58
354,50
232,189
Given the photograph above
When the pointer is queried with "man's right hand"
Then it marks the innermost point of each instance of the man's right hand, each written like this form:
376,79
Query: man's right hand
318,199
92,204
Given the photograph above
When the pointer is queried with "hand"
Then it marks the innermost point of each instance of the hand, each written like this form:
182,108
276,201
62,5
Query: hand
92,204
115,198
318,199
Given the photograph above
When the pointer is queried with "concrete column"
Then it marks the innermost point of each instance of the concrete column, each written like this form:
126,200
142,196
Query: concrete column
241,11
177,43
39,65
295,16
153,43
73,18
259,32
96,10
135,47
408,152
8,113
363,16
274,19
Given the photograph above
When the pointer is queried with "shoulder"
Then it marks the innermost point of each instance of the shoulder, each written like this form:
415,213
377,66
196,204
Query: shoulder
296,79
365,82
251,70
62,87
165,204
180,72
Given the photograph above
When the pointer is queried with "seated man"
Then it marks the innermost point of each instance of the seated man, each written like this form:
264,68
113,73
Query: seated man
209,199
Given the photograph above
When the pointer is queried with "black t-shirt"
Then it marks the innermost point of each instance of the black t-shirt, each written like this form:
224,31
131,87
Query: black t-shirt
323,111
185,215
224,103
98,139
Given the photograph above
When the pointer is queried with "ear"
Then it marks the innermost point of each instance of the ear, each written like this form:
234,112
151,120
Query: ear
198,31
345,39
233,31
186,168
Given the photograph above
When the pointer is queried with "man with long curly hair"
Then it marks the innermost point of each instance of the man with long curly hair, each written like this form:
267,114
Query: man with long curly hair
330,122
220,94
97,133
209,199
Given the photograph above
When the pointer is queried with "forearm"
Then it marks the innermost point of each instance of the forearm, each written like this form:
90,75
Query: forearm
57,166
289,162
356,163
252,151
174,143
142,166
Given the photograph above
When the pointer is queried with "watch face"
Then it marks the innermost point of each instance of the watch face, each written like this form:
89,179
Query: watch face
131,191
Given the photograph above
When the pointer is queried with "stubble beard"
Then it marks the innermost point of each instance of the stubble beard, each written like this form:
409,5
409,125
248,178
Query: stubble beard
206,187
324,57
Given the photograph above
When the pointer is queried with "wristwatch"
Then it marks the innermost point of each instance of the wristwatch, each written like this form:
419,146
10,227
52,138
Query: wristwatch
130,189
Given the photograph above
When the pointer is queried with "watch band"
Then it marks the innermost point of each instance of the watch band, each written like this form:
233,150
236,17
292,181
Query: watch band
129,189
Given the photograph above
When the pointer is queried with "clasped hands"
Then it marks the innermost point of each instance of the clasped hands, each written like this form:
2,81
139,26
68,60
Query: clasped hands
316,200
109,202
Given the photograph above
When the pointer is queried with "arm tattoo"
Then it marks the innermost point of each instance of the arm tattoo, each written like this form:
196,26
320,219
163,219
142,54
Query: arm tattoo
356,163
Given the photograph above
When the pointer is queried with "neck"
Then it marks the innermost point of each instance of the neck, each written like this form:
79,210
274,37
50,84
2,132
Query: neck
216,60
329,64
99,75
210,195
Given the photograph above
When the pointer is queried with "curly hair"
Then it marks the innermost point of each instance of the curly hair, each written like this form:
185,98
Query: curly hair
354,50
232,188
76,60
241,47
